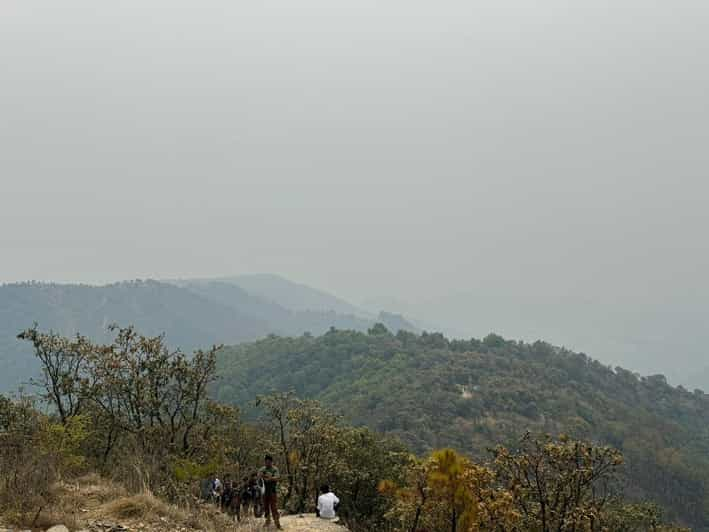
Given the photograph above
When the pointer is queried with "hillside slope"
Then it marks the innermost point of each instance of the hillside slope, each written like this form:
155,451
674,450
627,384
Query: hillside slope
191,314
280,320
284,320
292,295
432,392
190,321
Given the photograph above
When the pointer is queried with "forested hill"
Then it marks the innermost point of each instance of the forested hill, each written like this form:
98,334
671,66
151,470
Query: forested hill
189,319
432,392
191,315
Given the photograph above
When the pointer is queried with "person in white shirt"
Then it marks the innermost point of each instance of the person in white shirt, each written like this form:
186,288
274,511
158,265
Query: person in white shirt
327,503
217,490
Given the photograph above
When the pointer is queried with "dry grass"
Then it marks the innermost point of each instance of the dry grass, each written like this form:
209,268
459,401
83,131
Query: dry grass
148,509
34,511
50,518
43,516
91,498
144,506
90,490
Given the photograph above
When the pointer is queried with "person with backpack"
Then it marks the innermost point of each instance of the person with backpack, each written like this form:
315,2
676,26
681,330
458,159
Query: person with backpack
270,476
327,503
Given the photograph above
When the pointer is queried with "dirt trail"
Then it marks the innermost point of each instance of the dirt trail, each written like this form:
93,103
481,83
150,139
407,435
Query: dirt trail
308,523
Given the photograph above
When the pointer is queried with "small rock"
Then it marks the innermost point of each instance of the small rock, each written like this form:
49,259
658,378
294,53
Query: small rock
58,528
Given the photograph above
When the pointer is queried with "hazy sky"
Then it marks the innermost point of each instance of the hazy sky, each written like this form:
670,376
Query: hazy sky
416,150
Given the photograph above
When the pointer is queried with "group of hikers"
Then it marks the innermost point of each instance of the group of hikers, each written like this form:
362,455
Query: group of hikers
259,492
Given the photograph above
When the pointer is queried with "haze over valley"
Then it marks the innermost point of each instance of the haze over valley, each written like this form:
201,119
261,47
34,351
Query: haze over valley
448,259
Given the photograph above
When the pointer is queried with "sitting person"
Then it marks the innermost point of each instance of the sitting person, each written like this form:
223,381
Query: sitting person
327,503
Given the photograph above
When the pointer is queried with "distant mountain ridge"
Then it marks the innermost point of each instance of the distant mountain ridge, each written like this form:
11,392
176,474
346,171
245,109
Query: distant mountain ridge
283,315
192,314
292,295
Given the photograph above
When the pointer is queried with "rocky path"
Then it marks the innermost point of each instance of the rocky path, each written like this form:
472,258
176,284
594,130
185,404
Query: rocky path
308,523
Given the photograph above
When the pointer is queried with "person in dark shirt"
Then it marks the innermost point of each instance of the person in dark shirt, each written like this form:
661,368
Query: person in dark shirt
227,493
251,495
270,475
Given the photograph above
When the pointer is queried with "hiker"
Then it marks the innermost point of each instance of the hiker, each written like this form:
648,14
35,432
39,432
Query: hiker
228,493
205,489
216,490
236,500
246,493
327,503
270,476
250,494
258,488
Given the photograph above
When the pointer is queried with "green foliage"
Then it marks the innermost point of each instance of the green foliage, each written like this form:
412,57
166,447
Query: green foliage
185,470
471,395
64,442
548,485
446,474
36,450
559,484
637,517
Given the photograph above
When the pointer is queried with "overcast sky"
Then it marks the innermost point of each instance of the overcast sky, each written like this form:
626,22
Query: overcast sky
402,149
